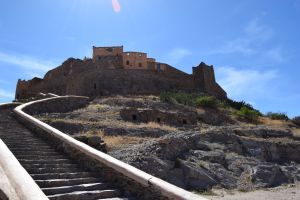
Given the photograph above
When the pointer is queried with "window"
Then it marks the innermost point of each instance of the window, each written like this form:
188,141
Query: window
95,86
158,120
184,121
140,65
134,117
127,62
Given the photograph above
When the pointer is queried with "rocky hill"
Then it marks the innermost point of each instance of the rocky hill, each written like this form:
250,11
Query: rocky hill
200,146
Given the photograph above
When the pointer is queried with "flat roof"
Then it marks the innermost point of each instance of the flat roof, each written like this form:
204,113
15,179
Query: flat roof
108,47
134,52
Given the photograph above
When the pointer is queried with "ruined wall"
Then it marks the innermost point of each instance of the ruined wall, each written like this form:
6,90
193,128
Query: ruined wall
204,77
107,51
27,89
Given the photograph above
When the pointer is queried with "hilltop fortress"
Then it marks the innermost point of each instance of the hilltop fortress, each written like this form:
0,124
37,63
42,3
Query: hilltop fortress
112,71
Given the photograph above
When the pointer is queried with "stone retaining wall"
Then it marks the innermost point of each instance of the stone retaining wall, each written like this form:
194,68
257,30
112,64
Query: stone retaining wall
57,104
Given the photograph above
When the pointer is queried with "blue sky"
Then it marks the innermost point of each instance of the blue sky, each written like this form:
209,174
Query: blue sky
253,44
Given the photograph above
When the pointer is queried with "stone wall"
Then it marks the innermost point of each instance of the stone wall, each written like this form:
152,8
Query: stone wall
107,77
58,104
135,60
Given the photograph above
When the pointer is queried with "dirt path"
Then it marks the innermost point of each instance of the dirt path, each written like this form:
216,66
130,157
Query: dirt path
291,192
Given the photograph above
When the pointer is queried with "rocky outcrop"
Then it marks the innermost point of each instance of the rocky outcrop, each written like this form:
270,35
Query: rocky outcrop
93,141
231,157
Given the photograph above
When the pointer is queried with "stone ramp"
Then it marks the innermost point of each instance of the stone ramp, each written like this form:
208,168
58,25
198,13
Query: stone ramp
56,174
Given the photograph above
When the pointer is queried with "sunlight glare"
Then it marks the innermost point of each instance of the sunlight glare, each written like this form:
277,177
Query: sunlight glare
116,6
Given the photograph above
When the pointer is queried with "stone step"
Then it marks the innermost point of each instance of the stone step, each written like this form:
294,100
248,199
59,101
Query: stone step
86,195
82,187
28,137
66,182
46,165
35,153
41,157
30,148
52,170
64,175
116,199
22,140
13,135
44,161
26,144
21,146
59,177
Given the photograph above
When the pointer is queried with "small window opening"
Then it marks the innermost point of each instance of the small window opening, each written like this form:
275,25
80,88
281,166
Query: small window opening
95,86
184,121
140,65
134,117
158,120
127,62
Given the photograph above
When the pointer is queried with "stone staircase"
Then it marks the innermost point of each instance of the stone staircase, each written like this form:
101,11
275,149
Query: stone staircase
57,176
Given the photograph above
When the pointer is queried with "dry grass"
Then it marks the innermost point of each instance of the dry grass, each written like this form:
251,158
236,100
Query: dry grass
152,125
273,122
117,142
296,132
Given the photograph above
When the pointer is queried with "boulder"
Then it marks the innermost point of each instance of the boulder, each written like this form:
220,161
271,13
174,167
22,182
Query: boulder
196,177
268,176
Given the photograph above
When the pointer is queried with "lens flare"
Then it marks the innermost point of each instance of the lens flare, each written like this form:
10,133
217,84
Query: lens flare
116,6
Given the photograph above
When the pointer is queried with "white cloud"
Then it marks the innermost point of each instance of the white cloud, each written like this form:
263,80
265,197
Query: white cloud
177,54
6,94
245,84
26,62
252,43
257,32
275,54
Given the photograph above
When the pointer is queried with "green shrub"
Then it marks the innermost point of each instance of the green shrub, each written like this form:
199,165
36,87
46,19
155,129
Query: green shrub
167,97
179,97
238,105
278,116
207,101
248,114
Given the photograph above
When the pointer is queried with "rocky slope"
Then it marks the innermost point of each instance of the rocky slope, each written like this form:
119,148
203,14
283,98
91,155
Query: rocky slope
194,148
